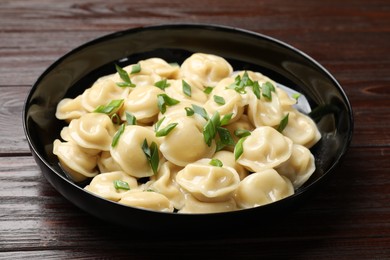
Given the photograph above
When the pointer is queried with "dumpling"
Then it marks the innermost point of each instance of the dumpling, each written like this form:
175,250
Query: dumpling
78,165
194,206
265,148
103,185
299,167
69,109
128,152
227,159
208,183
164,183
92,131
205,68
101,92
106,163
261,188
147,200
301,129
142,103
185,143
160,67
242,123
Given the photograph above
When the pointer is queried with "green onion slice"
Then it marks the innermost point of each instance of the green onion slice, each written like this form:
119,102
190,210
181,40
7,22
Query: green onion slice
283,123
166,130
121,185
151,153
241,133
189,111
216,162
239,148
110,108
117,135
125,77
200,111
162,84
208,90
130,119
267,89
219,100
135,69
163,100
186,88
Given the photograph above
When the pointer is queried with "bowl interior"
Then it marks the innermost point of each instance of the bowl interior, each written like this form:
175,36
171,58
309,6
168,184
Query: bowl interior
73,73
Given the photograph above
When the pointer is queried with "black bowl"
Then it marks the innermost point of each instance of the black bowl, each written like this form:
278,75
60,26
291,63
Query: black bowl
75,71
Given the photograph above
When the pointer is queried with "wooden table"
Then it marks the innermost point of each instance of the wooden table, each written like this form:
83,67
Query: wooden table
349,218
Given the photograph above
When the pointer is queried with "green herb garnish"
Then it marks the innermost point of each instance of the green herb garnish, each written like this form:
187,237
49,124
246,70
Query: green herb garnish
151,153
189,111
186,88
239,149
226,119
267,89
163,100
241,133
117,135
110,108
225,138
200,111
158,123
121,185
162,84
219,100
208,90
135,68
283,123
125,77
216,162
130,119
166,130
210,129
296,96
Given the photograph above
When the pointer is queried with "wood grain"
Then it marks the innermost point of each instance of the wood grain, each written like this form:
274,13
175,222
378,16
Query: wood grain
349,218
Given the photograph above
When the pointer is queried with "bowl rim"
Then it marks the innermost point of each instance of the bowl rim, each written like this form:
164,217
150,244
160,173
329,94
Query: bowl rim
199,26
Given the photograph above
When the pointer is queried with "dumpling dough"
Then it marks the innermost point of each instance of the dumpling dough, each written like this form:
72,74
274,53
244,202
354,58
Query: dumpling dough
208,183
261,188
194,206
265,148
103,185
147,200
128,152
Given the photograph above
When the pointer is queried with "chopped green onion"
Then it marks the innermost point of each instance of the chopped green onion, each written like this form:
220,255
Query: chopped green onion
162,84
158,123
125,77
121,185
189,111
296,96
117,135
186,88
219,100
226,119
135,68
130,119
242,133
225,136
110,108
115,118
163,100
200,111
267,88
210,129
208,90
283,123
166,130
216,162
151,153
256,89
239,148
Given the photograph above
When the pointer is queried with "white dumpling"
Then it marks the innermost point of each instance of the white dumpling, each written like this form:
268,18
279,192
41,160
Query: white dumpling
265,112
160,67
106,163
77,164
147,200
128,152
185,143
92,131
142,103
265,148
205,68
285,100
194,206
262,188
299,167
69,108
164,183
208,183
232,103
301,129
227,159
175,90
102,92
103,185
